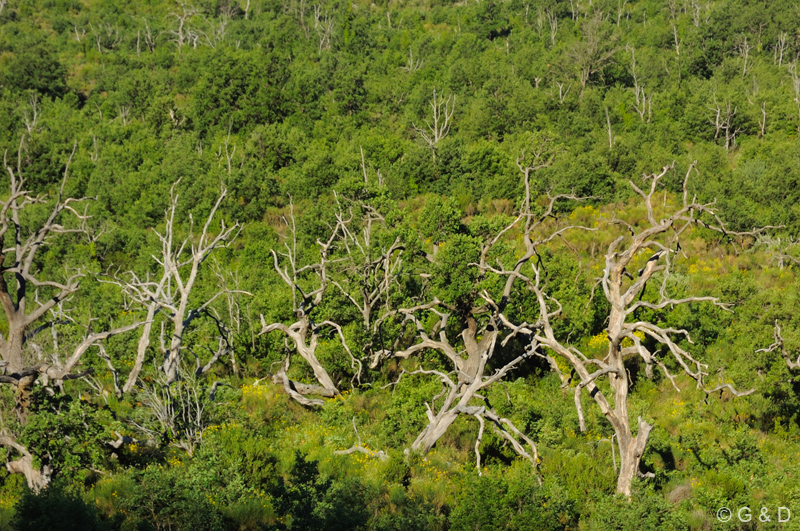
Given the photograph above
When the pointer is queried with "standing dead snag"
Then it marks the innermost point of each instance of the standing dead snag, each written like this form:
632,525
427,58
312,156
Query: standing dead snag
304,333
370,263
21,287
478,315
439,126
625,293
180,263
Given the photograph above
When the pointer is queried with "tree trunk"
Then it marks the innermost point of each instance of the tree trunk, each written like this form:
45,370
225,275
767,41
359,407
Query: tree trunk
22,398
437,427
36,479
141,351
319,371
631,450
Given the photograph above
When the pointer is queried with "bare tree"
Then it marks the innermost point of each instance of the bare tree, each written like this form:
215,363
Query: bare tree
178,410
371,263
479,324
439,126
778,344
594,51
625,293
743,49
30,116
676,40
25,313
106,36
644,103
304,333
780,49
183,33
562,94
553,21
171,291
722,118
323,25
795,86
413,64
359,447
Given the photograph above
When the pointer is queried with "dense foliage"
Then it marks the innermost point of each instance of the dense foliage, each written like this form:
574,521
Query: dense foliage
419,112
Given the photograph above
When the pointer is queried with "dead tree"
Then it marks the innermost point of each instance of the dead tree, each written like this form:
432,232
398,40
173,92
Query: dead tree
780,49
413,64
31,118
304,332
722,118
439,126
778,344
359,447
480,323
644,103
625,292
178,410
552,18
594,51
323,25
795,86
25,313
370,264
183,33
743,49
170,292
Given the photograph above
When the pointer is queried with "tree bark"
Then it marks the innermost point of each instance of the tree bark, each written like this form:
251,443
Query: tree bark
631,450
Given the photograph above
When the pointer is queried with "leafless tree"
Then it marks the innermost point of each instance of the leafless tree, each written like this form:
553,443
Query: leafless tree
780,251
594,51
697,12
479,325
106,36
553,21
621,9
562,94
183,33
779,344
676,40
722,118
439,126
30,116
608,130
178,410
25,313
359,447
625,292
79,35
170,292
304,333
370,265
412,65
644,103
780,49
795,86
743,48
323,25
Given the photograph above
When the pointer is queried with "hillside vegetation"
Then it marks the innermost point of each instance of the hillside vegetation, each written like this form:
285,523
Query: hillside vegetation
431,265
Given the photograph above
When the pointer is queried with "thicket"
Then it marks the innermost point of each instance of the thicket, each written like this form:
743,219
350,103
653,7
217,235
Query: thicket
417,114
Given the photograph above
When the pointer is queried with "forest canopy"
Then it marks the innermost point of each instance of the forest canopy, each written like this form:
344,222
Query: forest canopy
271,264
